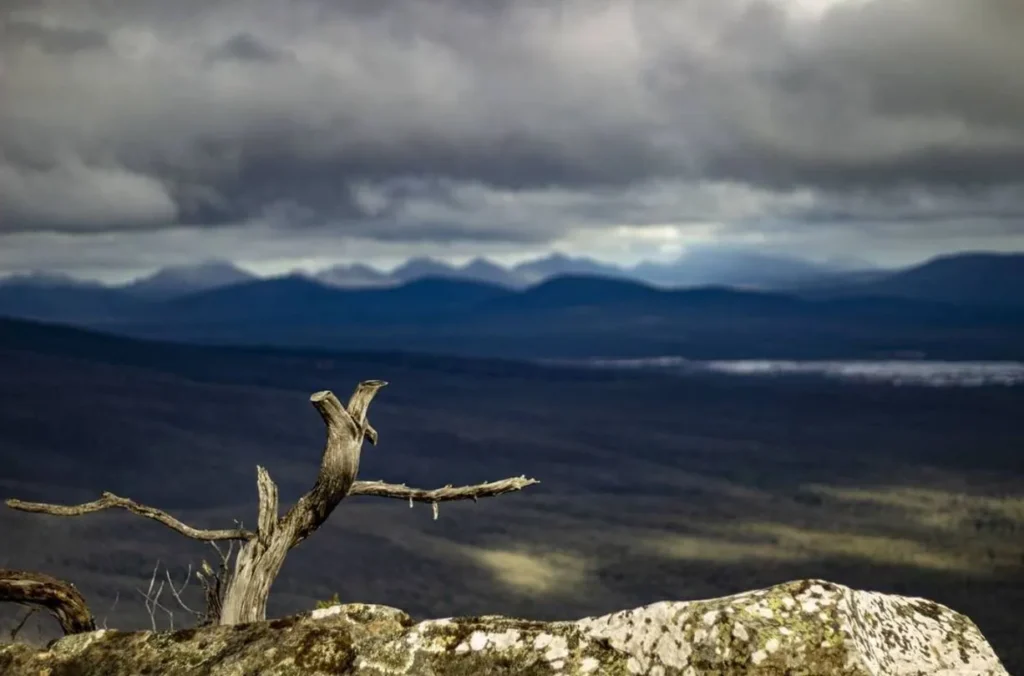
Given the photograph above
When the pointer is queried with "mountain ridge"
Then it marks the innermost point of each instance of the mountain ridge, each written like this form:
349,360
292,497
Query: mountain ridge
577,314
176,280
967,277
713,267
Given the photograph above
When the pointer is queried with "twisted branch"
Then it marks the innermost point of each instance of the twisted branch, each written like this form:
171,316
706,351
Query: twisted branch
60,598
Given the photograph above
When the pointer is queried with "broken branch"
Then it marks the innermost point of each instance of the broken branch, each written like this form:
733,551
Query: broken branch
268,505
214,583
444,494
339,464
21,624
60,598
109,501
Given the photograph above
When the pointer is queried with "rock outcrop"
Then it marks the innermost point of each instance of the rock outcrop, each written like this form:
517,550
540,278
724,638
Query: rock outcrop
809,627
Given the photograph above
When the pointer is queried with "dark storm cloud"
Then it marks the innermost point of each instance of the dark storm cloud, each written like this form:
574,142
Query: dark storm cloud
512,120
247,47
54,40
881,94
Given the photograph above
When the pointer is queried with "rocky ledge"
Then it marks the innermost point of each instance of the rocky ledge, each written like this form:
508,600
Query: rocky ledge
808,627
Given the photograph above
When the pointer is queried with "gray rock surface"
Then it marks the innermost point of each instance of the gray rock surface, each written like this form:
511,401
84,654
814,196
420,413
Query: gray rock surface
809,627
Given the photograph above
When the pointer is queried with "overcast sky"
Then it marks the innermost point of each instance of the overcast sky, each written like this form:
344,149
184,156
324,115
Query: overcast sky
283,133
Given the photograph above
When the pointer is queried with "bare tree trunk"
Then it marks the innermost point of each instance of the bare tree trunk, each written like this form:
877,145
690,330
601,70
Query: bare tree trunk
260,560
262,553
60,598
257,564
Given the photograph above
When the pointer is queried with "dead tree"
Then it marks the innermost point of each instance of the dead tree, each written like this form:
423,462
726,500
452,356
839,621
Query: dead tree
61,599
262,552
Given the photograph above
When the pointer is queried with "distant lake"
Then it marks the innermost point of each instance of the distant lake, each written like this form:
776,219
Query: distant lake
894,372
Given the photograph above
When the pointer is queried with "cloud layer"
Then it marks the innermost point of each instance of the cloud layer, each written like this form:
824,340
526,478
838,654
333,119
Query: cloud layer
512,121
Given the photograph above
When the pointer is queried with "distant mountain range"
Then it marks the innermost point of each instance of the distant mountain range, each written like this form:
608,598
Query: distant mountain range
184,279
974,278
966,306
699,267
178,280
961,279
357,275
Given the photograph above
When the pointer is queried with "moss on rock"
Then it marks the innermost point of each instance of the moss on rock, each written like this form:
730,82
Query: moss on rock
807,627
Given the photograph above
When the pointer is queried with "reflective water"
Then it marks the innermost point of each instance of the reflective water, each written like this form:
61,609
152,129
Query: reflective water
896,372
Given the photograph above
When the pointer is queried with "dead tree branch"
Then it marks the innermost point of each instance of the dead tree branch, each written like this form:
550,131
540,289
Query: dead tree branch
21,624
444,494
117,597
177,591
109,500
214,583
61,599
437,495
241,595
260,560
152,600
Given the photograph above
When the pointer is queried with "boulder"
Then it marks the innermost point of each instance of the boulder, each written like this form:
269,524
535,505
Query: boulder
808,627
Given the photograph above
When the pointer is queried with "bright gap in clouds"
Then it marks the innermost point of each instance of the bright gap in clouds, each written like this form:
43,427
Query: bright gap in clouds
813,9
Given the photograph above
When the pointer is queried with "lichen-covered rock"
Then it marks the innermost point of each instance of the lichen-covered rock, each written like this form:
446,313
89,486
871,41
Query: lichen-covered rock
811,627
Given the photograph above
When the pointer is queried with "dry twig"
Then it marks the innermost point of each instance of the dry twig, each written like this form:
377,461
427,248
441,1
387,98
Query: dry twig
152,600
117,597
21,624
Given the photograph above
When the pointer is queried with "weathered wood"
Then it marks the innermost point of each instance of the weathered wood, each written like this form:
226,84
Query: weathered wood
214,583
260,560
59,598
